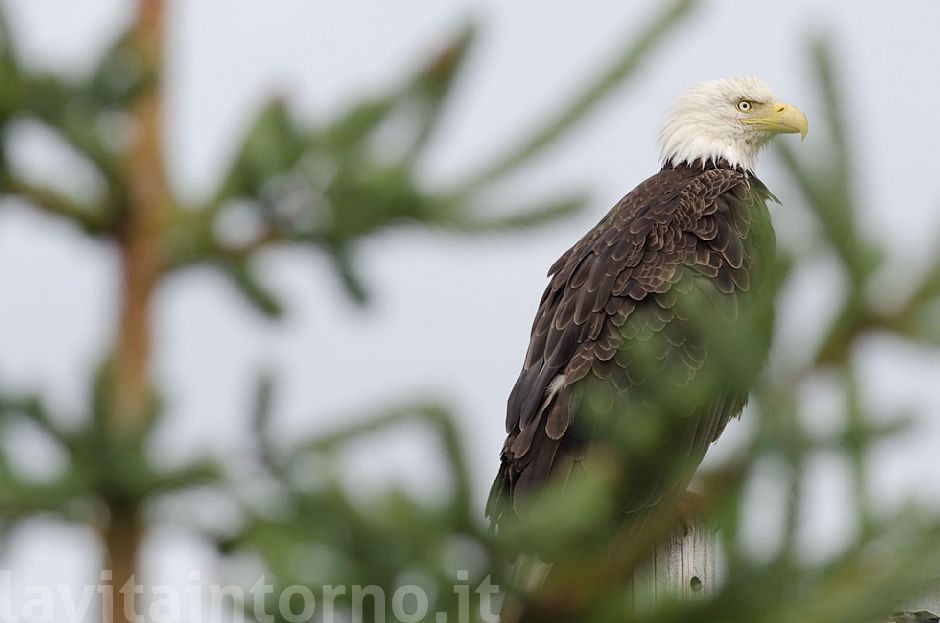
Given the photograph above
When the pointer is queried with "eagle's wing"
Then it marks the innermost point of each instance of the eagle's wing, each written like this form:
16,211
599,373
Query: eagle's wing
621,285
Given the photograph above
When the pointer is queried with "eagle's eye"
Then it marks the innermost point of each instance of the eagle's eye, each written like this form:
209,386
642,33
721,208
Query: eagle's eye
745,106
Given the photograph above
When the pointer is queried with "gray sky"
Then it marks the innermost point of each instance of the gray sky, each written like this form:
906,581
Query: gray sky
451,316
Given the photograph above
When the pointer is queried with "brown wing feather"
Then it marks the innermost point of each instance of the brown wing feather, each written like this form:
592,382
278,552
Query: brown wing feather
616,294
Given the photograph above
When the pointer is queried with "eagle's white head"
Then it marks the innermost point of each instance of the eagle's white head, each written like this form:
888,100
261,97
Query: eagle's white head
730,119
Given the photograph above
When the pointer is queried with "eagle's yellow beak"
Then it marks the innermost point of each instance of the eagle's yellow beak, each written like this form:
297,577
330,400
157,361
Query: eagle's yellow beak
780,118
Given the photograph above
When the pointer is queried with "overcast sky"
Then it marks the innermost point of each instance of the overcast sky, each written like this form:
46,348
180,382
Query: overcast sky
451,316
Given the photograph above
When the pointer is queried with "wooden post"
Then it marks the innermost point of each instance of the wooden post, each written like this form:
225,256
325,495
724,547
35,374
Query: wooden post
684,566
924,609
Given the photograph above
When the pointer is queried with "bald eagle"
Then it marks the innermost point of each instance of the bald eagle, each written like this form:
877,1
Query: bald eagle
641,308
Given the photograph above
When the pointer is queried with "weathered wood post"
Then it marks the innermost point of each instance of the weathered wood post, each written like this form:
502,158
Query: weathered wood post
684,566
924,609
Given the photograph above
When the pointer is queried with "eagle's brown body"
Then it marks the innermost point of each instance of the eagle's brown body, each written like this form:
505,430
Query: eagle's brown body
645,301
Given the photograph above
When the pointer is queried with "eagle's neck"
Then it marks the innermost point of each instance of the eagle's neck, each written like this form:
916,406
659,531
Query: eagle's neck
698,141
705,165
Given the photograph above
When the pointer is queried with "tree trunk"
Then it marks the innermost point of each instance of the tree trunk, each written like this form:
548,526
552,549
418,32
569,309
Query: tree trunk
142,262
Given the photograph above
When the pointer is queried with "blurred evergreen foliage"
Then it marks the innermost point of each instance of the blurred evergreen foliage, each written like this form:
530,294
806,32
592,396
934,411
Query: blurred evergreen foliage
329,188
